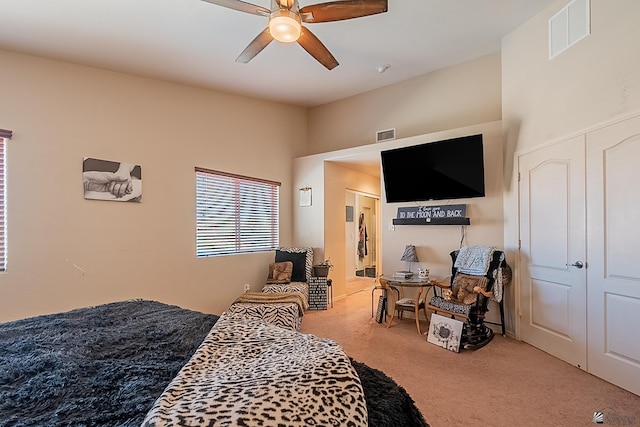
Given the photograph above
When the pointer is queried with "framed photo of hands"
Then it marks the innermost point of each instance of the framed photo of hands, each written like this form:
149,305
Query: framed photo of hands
110,180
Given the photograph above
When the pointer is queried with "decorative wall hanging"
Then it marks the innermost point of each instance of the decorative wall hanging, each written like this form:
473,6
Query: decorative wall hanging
305,196
109,180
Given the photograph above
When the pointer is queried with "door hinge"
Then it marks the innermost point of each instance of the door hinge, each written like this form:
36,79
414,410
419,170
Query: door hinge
518,176
519,244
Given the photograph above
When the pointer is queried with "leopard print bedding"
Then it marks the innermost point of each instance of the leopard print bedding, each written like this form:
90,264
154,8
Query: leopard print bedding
249,373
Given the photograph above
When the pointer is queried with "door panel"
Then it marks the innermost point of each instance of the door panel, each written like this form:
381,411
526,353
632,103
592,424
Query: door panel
614,253
618,343
552,232
549,307
548,220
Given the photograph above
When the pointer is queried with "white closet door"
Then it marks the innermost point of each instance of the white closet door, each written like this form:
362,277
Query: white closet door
613,218
552,231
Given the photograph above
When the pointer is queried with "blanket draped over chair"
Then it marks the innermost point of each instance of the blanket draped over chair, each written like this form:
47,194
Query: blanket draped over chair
475,260
248,372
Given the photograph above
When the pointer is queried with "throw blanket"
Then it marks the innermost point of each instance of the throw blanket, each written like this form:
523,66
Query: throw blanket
474,260
247,372
301,287
98,366
265,298
503,277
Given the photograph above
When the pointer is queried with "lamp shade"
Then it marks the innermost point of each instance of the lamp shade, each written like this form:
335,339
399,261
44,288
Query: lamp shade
409,254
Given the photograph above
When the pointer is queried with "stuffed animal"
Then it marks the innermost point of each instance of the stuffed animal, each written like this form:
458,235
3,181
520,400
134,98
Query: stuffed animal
464,286
280,272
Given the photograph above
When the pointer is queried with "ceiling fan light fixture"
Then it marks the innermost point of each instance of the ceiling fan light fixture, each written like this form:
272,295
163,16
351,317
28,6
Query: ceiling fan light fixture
284,25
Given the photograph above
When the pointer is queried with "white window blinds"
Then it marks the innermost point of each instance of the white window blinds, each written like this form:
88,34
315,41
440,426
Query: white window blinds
3,205
235,214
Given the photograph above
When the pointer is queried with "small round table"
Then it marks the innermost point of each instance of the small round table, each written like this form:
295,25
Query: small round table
413,282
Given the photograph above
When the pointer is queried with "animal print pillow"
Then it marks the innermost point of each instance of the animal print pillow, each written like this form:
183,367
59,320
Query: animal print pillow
280,272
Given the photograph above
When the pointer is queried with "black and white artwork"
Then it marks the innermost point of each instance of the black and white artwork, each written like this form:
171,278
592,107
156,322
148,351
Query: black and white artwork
109,180
445,332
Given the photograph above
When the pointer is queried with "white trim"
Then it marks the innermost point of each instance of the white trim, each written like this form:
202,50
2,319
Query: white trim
583,131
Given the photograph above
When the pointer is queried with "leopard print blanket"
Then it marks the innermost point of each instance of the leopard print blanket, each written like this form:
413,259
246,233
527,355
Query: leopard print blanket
249,373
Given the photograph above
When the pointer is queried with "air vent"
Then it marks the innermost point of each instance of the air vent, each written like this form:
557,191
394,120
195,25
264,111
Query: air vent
385,135
570,25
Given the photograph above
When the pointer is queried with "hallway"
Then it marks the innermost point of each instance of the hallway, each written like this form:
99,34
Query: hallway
358,284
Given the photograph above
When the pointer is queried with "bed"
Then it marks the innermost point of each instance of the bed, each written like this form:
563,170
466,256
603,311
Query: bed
107,366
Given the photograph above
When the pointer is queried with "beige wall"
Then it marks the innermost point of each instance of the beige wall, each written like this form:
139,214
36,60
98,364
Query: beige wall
322,225
446,100
330,180
594,81
435,242
450,98
66,252
337,180
351,235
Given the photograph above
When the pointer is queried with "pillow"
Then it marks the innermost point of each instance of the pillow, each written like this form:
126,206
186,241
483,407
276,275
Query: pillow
463,285
302,259
280,272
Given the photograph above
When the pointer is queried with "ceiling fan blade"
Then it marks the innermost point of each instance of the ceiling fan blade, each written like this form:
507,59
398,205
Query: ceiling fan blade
340,10
241,6
314,46
255,47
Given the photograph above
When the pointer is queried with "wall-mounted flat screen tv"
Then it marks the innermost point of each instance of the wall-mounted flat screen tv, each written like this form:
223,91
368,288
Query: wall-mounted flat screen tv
449,169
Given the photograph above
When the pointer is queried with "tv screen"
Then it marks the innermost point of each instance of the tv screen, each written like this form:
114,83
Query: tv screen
450,169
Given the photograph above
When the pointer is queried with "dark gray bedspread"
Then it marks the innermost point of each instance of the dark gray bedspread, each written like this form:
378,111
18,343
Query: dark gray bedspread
106,365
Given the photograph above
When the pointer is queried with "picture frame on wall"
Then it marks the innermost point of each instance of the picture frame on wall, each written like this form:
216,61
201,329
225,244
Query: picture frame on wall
111,180
305,196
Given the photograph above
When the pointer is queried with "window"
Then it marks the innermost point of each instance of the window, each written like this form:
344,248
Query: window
3,229
235,214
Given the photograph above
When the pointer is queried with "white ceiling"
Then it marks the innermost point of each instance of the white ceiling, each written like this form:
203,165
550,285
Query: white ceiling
196,43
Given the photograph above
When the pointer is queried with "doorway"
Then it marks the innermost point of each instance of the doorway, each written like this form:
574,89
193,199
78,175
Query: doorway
361,245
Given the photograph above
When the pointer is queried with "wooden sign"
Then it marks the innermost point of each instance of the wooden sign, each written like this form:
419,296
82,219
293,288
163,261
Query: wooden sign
433,212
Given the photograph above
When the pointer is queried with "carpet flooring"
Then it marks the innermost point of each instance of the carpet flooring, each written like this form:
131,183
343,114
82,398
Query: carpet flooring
506,383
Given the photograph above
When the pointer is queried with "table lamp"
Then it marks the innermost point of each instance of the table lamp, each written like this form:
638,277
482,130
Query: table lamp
409,255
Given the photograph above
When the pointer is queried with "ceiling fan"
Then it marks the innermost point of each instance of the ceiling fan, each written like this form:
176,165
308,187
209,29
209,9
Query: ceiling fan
285,23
